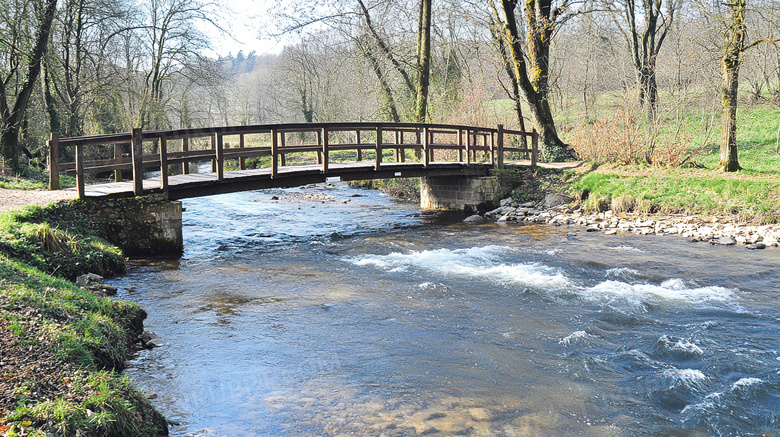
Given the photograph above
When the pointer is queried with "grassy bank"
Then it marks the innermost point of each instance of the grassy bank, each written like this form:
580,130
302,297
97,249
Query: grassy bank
749,195
62,345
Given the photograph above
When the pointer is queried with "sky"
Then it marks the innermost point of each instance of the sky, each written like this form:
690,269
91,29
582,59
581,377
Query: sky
249,22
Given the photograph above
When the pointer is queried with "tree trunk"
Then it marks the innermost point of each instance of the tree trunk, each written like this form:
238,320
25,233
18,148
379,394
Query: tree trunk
648,91
731,61
389,106
533,79
728,143
423,61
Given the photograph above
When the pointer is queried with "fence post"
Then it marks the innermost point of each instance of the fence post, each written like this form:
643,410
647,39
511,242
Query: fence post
220,157
164,165
274,153
426,145
325,155
534,149
378,162
54,161
500,146
136,151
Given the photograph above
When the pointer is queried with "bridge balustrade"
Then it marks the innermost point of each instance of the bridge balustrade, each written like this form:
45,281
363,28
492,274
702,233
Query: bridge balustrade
138,151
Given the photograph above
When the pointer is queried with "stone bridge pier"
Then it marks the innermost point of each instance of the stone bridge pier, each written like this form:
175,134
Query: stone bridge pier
468,194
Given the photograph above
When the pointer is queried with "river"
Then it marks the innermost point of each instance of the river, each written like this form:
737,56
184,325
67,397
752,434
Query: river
328,310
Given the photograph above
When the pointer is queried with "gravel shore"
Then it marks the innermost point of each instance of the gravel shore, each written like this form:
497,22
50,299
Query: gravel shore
13,199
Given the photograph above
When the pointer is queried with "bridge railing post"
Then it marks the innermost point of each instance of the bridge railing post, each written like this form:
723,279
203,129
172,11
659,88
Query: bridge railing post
500,146
118,159
185,147
274,153
460,145
136,153
325,154
426,147
241,160
359,154
378,161
80,169
164,165
468,146
54,161
214,148
534,149
220,156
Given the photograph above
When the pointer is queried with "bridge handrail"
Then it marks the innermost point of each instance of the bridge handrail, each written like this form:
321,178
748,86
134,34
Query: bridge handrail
467,140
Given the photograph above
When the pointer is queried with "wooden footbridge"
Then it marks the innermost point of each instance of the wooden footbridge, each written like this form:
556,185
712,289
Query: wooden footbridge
175,163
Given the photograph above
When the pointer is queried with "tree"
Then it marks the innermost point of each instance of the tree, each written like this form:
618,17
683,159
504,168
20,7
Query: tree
22,68
644,44
173,45
732,52
77,68
532,77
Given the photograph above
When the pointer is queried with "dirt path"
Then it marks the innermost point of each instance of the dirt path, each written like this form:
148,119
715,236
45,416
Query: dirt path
13,199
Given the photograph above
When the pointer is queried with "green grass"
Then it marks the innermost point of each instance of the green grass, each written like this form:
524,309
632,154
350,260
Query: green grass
51,240
21,184
674,191
88,335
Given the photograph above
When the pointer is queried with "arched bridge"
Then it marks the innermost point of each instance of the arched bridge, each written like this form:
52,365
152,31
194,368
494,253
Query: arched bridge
197,162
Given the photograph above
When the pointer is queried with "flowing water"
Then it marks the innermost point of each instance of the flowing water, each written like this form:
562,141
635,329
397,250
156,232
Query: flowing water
336,311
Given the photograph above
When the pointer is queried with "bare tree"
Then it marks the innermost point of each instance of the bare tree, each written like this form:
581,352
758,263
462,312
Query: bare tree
24,54
734,44
542,19
645,27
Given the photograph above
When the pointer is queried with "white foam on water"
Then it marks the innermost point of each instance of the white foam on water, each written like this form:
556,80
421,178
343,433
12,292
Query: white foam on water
746,382
573,336
477,262
627,248
485,263
671,290
621,272
687,347
707,404
691,378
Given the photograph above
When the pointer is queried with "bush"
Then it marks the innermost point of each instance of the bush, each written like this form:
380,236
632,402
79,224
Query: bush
623,136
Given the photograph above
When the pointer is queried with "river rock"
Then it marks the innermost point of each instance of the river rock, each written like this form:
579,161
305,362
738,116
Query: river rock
505,202
756,246
89,278
150,340
725,241
476,218
556,199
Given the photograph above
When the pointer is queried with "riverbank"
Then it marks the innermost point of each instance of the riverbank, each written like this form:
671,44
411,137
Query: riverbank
62,345
709,229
